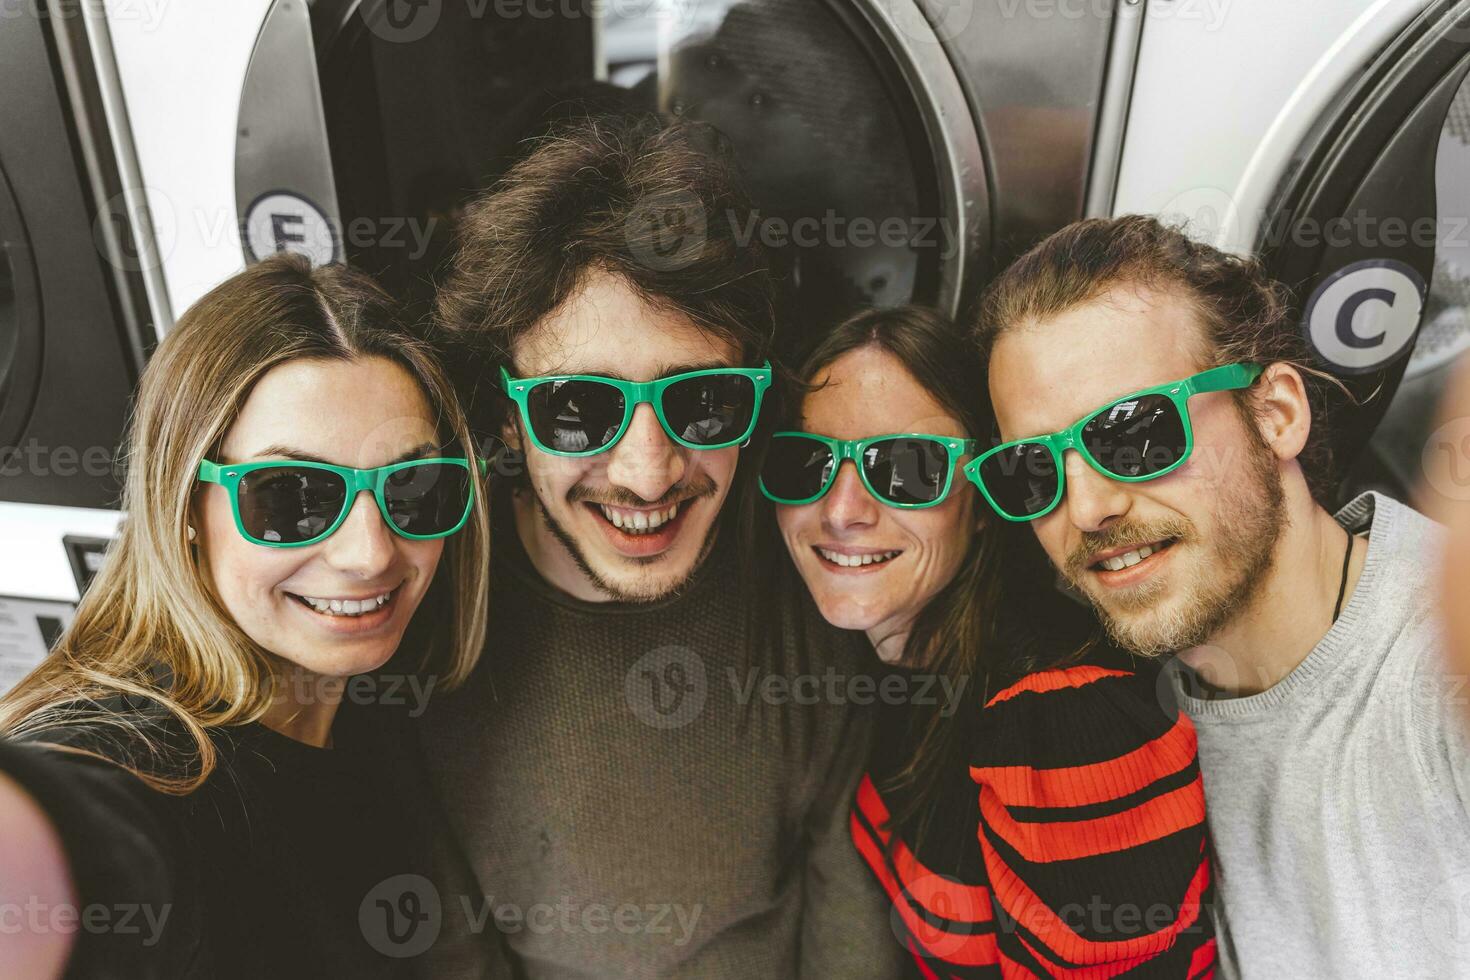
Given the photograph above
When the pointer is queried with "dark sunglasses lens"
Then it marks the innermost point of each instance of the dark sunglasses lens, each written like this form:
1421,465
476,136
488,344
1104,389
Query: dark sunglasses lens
1022,479
429,498
290,504
575,416
711,410
906,471
1137,437
796,468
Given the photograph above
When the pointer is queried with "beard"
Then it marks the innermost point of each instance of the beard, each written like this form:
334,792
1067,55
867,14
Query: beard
647,588
1232,567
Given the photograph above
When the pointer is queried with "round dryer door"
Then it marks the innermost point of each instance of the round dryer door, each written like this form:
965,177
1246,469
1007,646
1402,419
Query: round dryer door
1373,232
849,123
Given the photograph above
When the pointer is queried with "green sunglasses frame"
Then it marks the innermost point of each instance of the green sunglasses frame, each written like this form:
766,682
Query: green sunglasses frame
1229,377
229,476
853,449
634,393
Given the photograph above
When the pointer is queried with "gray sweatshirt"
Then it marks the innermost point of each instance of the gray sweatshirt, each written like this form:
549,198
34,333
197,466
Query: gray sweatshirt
1338,799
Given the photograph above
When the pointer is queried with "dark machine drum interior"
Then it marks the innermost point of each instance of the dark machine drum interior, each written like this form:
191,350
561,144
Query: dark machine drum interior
820,122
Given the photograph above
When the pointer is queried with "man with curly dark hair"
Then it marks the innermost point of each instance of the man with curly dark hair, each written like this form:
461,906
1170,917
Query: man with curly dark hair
634,798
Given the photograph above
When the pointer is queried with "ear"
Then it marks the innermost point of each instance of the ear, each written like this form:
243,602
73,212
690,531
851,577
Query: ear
510,432
1281,411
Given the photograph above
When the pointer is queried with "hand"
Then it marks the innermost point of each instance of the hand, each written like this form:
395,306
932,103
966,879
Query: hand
36,890
1453,505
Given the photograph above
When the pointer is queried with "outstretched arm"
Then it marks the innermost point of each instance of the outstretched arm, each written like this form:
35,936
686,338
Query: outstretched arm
36,889
1453,455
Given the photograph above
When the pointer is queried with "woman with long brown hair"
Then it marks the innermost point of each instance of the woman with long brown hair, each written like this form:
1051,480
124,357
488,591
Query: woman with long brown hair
1031,806
215,748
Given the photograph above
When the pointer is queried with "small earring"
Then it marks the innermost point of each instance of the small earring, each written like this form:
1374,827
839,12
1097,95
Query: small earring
191,531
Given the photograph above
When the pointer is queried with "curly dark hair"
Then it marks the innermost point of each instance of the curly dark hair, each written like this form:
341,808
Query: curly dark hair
657,203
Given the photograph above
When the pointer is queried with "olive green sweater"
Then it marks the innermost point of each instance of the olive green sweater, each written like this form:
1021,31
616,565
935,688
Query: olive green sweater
638,799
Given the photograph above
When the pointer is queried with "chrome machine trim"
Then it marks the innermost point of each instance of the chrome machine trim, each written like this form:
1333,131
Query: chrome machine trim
130,216
1112,117
281,135
953,136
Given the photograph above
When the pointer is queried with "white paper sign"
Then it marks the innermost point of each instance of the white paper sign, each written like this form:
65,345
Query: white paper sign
28,627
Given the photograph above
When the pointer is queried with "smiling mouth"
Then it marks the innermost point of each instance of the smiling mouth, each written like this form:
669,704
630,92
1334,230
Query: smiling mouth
1127,559
855,561
637,522
347,608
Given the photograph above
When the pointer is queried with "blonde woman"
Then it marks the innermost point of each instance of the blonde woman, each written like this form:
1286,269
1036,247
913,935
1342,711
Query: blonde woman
209,776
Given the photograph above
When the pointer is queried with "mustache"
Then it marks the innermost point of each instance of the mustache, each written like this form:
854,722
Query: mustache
615,496
1120,534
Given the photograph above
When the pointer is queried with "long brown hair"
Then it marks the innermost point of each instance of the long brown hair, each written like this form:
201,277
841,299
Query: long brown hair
150,631
953,636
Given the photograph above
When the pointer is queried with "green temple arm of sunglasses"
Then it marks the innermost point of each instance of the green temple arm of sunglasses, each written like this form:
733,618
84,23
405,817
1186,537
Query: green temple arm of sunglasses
636,393
1228,377
853,449
229,475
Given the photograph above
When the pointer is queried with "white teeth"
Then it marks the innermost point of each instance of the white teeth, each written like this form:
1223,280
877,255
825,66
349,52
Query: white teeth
347,607
856,561
1120,562
638,521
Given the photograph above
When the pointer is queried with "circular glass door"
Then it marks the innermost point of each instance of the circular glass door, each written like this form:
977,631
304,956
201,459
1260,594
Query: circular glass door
832,145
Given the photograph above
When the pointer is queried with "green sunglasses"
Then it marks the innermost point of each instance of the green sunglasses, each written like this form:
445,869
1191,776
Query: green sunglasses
292,504
586,414
1138,437
908,470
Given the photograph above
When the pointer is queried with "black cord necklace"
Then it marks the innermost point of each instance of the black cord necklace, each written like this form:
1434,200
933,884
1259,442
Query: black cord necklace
1342,586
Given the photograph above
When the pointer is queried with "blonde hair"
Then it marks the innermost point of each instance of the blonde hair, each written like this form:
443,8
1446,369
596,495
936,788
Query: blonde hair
149,630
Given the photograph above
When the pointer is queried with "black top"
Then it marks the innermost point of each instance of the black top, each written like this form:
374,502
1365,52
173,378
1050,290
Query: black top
290,860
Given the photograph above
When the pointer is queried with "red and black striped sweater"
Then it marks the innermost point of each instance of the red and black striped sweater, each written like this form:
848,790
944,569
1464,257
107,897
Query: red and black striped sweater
1073,846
